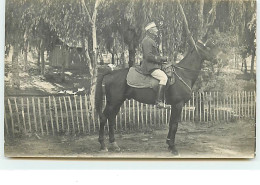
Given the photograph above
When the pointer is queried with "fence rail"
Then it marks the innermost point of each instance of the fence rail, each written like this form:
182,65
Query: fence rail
73,114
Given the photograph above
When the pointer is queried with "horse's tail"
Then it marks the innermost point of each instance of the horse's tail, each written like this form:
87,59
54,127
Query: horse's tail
99,89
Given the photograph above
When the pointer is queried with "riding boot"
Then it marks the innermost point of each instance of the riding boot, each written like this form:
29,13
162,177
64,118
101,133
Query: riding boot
159,99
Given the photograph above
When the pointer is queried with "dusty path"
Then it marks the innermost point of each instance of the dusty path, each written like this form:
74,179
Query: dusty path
225,140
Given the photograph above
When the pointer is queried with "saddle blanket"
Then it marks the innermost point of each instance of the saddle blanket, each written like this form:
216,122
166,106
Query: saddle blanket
138,80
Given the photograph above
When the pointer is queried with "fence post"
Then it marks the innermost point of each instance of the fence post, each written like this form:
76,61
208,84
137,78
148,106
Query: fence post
193,107
56,114
233,104
251,104
45,114
204,112
150,112
224,109
248,103
200,112
120,117
138,115
87,111
50,110
61,115
67,114
134,123
17,114
146,112
189,118
214,107
254,104
6,124
40,114
166,117
142,114
11,115
229,108
217,108
185,111
242,104
34,115
29,117
125,113
72,117
81,113
239,105
236,104
24,124
77,115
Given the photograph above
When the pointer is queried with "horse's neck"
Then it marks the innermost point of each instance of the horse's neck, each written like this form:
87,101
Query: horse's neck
193,62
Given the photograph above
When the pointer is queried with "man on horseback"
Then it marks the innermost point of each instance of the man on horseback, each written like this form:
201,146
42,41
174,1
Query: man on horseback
152,61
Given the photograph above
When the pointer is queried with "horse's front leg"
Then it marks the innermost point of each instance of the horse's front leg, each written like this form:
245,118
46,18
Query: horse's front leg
173,126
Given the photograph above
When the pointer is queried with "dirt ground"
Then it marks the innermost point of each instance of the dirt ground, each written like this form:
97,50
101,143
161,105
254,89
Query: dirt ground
218,140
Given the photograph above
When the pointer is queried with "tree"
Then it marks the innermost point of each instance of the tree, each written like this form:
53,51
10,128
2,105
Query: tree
93,63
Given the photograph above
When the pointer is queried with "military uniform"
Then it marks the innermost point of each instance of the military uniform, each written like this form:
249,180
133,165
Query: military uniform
151,56
152,62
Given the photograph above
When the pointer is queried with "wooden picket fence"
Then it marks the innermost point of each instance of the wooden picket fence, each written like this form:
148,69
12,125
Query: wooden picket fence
73,114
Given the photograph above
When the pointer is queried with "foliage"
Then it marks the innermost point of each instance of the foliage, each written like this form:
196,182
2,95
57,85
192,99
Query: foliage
122,22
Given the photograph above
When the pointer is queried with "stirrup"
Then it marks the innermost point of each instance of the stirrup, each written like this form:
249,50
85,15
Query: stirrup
162,105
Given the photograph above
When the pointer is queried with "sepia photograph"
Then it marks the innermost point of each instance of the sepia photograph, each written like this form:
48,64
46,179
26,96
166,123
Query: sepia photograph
130,79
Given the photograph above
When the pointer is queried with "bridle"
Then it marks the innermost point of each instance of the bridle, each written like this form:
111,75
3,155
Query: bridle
178,76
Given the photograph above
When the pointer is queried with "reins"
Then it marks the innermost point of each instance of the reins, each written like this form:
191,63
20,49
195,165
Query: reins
180,78
192,70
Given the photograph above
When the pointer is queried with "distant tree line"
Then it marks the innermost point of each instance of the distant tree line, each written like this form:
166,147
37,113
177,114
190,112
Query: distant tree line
118,25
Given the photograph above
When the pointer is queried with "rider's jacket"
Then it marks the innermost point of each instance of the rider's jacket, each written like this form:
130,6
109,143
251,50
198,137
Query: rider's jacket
151,55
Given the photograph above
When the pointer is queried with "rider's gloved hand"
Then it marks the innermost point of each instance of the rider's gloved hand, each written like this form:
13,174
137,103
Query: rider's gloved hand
164,60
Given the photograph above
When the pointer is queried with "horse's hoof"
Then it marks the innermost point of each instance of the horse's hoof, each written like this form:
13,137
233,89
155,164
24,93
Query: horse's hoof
114,147
103,150
174,151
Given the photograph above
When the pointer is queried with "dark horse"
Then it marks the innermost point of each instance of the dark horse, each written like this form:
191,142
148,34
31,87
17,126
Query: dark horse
117,91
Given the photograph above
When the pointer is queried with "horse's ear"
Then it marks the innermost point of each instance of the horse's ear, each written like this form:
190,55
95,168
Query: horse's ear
201,42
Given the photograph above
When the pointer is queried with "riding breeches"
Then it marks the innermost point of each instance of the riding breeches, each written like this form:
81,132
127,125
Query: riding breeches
160,75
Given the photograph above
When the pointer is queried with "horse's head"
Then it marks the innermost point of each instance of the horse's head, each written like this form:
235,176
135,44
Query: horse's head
208,51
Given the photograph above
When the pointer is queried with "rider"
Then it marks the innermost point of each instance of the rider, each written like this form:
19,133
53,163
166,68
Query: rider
152,61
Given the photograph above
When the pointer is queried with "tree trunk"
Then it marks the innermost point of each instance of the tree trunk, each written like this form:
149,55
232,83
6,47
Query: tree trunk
252,64
131,50
63,66
123,54
25,51
113,58
42,58
25,54
201,19
93,66
94,69
15,67
244,64
39,59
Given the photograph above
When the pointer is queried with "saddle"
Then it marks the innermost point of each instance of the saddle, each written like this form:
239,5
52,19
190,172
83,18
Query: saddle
136,79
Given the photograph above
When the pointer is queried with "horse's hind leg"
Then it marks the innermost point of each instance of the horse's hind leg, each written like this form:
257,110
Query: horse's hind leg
109,114
113,110
103,120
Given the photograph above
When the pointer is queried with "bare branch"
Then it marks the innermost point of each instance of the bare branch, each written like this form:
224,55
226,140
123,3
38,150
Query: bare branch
87,11
95,10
